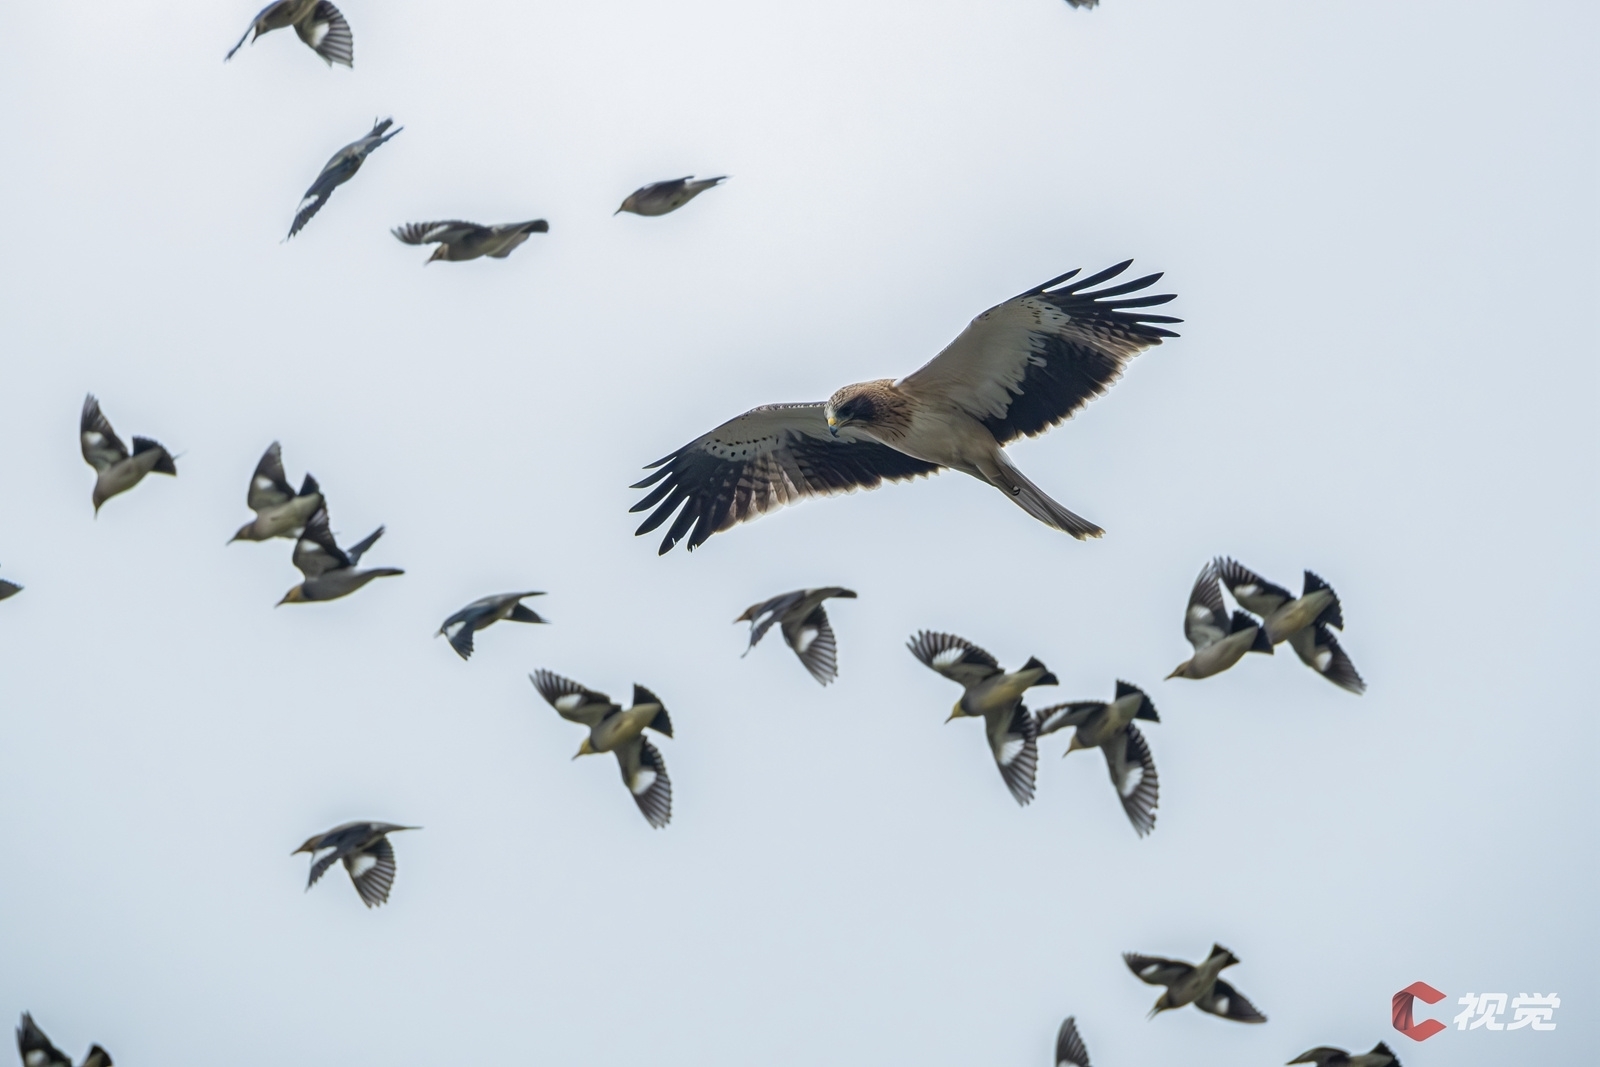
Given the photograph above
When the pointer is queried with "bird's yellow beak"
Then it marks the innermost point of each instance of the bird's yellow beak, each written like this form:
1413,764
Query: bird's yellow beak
291,597
833,426
585,749
1176,671
1072,746
956,712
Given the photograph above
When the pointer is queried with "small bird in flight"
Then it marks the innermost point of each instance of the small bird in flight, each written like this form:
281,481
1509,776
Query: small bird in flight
37,1051
318,23
1069,1046
996,696
485,612
803,622
1020,368
1198,985
621,731
280,511
330,571
658,198
460,241
1324,1056
1218,642
364,849
338,170
1109,727
117,470
1303,621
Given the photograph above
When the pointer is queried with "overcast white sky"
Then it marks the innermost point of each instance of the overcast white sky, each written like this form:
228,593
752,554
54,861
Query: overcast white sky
1380,221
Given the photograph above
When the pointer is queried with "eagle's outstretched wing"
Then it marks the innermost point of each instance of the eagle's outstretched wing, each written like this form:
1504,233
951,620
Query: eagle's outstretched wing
1033,361
768,457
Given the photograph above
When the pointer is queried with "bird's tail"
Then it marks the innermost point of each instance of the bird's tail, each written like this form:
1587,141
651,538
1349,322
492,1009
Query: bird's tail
1036,502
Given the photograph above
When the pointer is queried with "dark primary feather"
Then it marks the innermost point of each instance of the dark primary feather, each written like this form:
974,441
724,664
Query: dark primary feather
1066,373
269,485
820,657
109,450
1253,592
1133,773
35,1048
374,883
1069,1046
337,45
1156,970
972,665
1225,1001
767,457
1020,771
419,233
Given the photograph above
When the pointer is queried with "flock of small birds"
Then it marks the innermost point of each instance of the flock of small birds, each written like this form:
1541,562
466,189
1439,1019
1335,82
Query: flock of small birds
1019,368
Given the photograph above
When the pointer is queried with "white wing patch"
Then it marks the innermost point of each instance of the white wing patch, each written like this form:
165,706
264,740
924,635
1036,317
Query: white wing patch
38,1057
1131,780
1324,657
94,438
264,483
361,863
948,658
569,701
642,781
803,639
319,31
1010,749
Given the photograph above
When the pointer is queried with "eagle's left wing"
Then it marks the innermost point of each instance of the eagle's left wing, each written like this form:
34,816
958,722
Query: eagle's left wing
1033,361
768,457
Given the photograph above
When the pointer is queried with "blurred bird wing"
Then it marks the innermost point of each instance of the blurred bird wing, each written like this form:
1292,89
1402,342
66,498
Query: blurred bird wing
97,1057
1063,716
644,772
8,589
1133,773
572,701
269,486
1157,970
316,553
372,871
1320,650
768,457
1324,1056
1069,1046
36,1049
1206,621
1014,740
761,616
1031,362
422,233
812,640
1224,1000
954,657
102,448
327,33
1253,592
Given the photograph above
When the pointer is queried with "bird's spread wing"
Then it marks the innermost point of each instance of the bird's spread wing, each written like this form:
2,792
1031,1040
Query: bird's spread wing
1253,592
1320,650
269,486
1014,739
813,642
372,871
328,34
761,616
36,1049
1155,969
422,233
316,553
954,657
1031,362
1324,1056
1069,1046
102,448
644,772
1062,716
768,457
319,868
1206,620
1133,772
359,549
97,1057
338,170
570,699
1224,1000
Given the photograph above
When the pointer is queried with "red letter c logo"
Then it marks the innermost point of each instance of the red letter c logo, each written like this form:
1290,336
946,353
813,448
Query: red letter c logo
1401,1006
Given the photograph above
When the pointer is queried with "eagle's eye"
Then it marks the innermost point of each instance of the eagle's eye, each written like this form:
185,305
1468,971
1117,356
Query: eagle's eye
857,409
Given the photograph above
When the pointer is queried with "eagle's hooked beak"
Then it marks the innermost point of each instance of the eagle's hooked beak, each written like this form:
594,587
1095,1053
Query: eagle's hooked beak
833,426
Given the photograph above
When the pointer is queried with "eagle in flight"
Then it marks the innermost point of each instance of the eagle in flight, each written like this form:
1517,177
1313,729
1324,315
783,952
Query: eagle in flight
1017,369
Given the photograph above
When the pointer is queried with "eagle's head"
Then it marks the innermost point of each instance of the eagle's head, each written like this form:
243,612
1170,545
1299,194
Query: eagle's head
875,407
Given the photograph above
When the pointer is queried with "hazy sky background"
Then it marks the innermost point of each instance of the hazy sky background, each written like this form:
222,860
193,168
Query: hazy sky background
1380,222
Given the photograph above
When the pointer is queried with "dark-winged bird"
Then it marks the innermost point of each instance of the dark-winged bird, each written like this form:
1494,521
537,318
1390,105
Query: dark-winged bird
317,22
8,589
1109,727
364,849
484,612
1324,1056
1199,985
459,240
995,695
37,1051
1069,1046
1219,642
330,571
338,170
1302,620
1018,369
116,469
658,198
619,730
803,622
280,511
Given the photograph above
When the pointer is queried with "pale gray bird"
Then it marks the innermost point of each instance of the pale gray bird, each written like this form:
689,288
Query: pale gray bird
484,612
1303,621
1069,1046
1218,643
37,1051
1018,369
8,589
319,24
330,571
338,170
1109,727
459,240
280,511
1199,985
804,625
1324,1056
621,731
658,198
994,695
117,469
364,849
